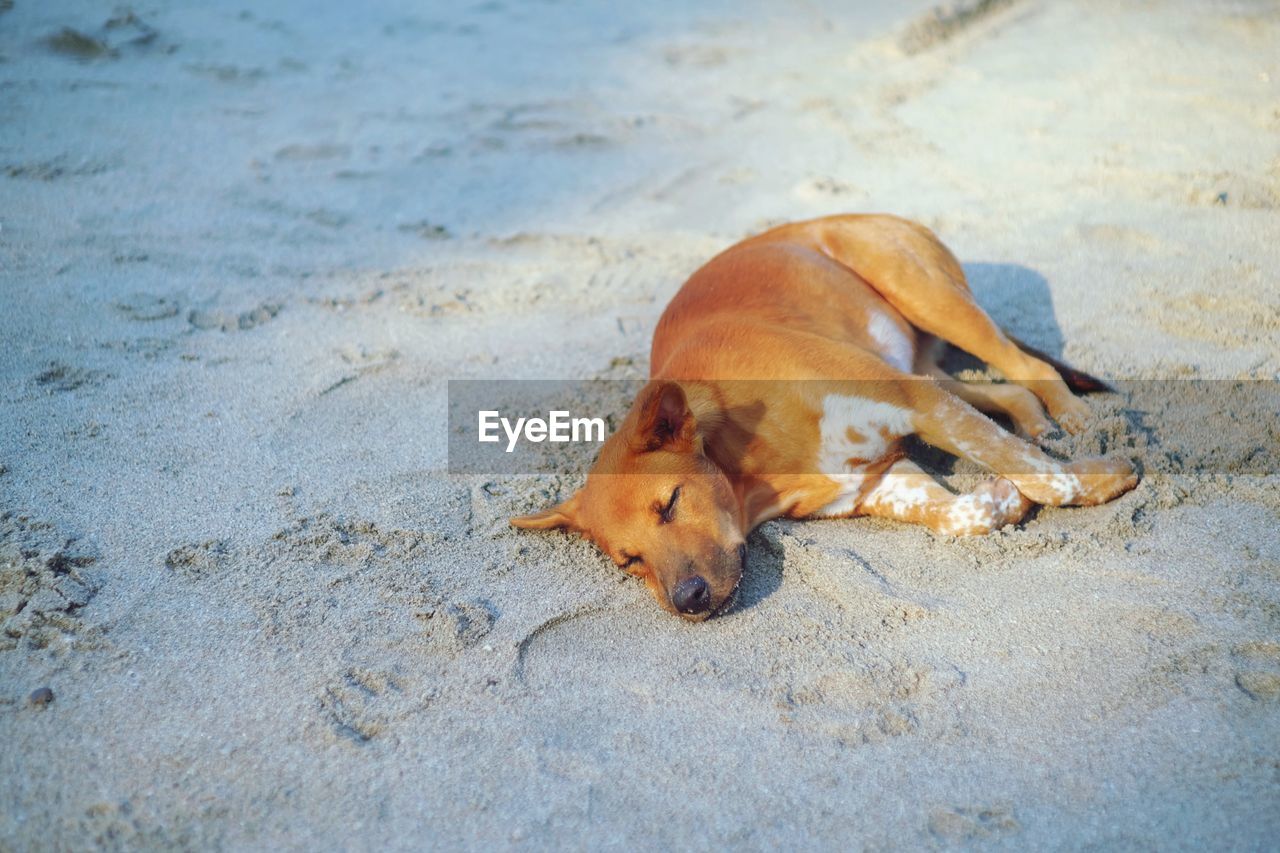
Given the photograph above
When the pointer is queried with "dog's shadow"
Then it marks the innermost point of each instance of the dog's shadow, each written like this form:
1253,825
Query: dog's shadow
763,573
1019,300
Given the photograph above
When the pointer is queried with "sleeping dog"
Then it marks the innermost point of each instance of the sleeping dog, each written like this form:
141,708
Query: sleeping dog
838,323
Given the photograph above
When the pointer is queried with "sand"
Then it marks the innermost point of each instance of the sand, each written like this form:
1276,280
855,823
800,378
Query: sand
242,252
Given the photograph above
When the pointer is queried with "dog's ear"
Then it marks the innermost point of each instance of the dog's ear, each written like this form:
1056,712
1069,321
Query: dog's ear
665,421
563,514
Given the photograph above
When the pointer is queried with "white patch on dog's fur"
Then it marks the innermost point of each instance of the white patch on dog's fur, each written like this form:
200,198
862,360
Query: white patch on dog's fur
898,493
895,347
1064,485
844,457
970,514
991,507
905,489
1012,503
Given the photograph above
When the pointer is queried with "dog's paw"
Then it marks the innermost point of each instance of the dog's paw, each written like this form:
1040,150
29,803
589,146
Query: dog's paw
1008,504
1073,415
1102,480
1033,428
989,507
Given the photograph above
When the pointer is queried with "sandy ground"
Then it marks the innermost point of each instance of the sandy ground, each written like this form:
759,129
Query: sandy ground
243,247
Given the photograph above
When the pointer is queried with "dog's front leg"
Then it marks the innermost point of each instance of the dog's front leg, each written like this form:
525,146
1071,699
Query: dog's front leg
949,423
907,493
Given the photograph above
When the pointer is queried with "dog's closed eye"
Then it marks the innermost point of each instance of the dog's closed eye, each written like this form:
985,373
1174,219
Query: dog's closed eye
667,513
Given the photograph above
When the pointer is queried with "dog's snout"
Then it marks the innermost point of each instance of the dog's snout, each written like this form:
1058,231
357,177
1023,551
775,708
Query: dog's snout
692,595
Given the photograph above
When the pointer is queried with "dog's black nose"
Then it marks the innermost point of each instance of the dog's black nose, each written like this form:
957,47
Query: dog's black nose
692,595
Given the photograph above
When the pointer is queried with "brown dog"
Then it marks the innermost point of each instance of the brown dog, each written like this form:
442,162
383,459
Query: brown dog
837,322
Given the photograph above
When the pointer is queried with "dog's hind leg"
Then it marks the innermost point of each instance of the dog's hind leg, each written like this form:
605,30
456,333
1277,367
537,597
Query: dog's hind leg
907,493
1014,401
918,275
1019,404
946,422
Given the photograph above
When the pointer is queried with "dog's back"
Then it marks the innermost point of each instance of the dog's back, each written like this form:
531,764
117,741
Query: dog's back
780,284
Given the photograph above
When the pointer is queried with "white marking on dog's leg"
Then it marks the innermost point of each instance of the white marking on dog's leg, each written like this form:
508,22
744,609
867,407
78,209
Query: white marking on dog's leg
906,493
989,507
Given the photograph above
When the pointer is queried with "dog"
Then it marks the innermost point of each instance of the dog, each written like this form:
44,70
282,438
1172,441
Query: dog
838,324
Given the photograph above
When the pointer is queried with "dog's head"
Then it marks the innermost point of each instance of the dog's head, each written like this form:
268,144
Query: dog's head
659,508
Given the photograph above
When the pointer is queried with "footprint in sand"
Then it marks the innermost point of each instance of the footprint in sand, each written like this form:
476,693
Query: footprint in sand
231,74
53,169
1258,670
426,229
460,624
228,322
198,560
367,359
74,44
44,585
62,377
826,188
972,824
357,706
321,151
1226,189
869,704
1120,235
121,33
145,307
946,22
320,571
130,825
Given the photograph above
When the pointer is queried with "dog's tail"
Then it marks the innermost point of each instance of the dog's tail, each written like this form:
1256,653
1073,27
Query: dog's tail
1077,380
